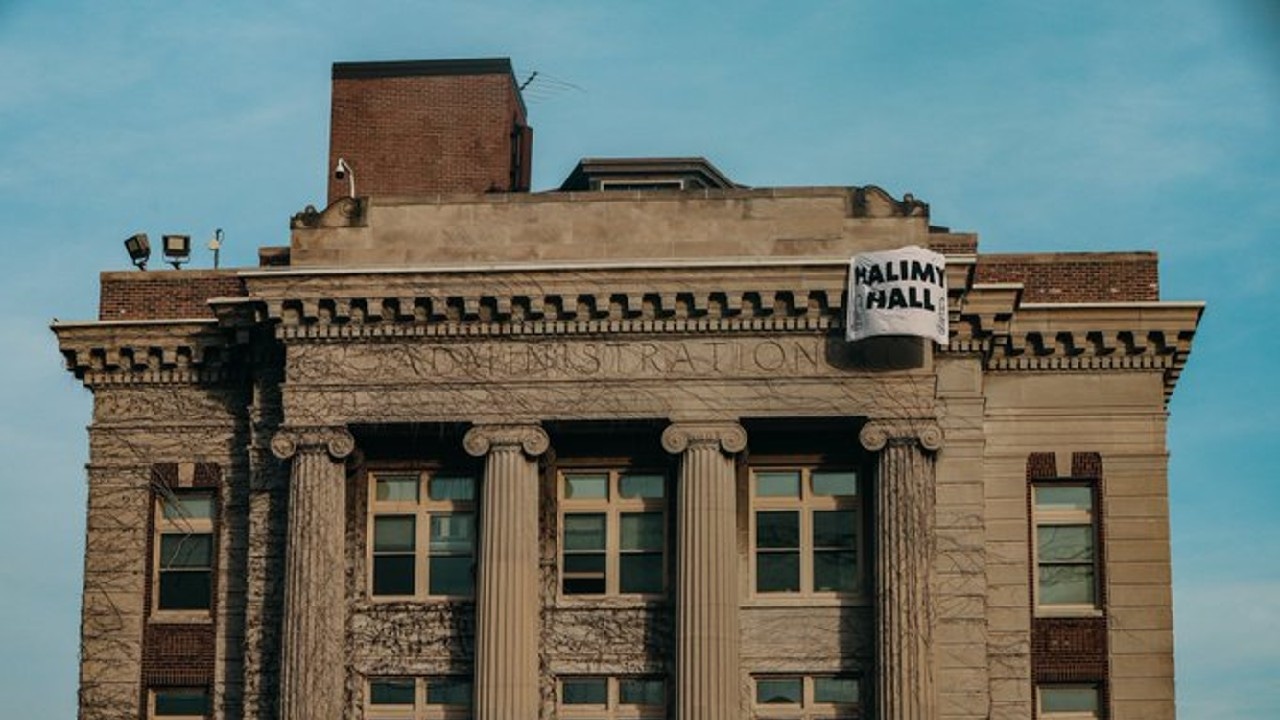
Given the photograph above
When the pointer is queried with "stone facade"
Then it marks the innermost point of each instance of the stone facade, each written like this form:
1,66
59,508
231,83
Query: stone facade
695,335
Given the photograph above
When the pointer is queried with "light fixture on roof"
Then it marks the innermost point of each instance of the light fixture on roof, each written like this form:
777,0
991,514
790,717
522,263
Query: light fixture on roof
215,244
139,250
177,250
343,171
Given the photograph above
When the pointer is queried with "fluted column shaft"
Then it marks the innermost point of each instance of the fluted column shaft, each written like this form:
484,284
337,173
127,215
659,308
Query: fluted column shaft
312,675
905,543
707,635
507,600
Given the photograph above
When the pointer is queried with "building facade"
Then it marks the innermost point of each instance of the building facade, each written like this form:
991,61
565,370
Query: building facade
462,450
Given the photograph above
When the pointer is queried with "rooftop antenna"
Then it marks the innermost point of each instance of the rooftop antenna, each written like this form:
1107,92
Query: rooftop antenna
215,244
525,84
543,86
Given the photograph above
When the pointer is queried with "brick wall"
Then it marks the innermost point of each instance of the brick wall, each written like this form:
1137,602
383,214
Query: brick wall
164,295
1076,277
421,128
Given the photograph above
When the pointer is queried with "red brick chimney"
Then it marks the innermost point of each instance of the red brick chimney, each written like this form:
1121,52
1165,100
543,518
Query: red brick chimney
422,127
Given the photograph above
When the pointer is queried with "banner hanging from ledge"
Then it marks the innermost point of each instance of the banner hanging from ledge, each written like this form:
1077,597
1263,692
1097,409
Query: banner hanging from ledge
898,292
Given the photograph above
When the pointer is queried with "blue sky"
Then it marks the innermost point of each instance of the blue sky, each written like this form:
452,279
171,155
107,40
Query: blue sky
1042,126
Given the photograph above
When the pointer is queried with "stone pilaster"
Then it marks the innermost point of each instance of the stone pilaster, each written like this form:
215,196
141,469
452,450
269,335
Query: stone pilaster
312,665
507,599
707,633
905,542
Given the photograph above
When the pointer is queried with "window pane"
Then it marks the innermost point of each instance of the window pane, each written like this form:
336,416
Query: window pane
835,690
640,573
583,691
584,531
584,585
584,574
1066,585
452,533
193,550
444,487
579,487
393,575
393,533
778,529
778,691
1065,543
835,571
391,691
1064,497
584,563
778,572
188,506
642,531
835,483
450,575
182,590
834,529
187,701
641,486
778,484
398,488
1069,699
642,691
448,691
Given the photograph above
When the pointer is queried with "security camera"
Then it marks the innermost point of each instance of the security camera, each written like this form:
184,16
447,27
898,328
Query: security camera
340,170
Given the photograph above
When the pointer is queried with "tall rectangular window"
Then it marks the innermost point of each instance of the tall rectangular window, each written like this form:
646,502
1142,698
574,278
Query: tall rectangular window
1066,533
439,697
806,531
613,533
183,552
422,535
606,698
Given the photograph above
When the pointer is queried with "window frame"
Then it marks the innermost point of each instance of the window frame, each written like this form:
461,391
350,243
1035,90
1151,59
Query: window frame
806,504
422,510
808,708
421,709
613,708
153,693
613,506
1066,518
188,527
1095,714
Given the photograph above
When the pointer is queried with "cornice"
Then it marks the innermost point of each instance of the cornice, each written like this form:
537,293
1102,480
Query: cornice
144,352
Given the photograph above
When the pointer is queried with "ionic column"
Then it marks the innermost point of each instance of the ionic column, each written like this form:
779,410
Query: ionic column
507,599
707,636
312,662
905,611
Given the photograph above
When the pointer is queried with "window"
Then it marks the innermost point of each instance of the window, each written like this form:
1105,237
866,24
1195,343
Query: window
806,697
422,527
1067,702
806,531
612,697
183,553
613,533
1065,545
444,697
180,704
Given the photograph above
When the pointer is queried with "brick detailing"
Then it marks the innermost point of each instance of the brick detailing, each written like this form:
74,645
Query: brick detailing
207,475
1070,649
165,295
949,243
429,131
1075,277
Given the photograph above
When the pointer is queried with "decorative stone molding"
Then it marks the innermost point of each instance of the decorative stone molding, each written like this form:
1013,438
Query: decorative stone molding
727,436
532,439
877,434
144,352
337,441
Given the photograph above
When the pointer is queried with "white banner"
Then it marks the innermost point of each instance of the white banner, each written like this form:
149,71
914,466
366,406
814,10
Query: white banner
898,292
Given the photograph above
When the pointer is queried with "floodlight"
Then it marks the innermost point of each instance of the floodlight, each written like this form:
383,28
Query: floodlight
177,249
342,170
139,250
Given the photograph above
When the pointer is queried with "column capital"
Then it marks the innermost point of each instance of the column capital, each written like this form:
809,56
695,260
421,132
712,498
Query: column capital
530,438
724,435
876,434
336,440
